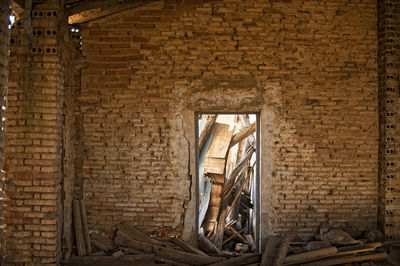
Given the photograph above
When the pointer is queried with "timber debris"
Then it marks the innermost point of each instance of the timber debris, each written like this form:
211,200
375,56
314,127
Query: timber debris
131,246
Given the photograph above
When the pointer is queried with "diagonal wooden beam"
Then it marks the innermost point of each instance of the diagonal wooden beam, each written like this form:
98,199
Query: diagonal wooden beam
80,6
100,12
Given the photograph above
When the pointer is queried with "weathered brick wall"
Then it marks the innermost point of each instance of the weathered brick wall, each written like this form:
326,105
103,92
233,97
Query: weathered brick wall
34,140
389,102
308,67
4,47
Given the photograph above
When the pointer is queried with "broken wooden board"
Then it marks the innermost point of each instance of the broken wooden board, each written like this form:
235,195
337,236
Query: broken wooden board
243,133
78,228
216,155
271,248
214,205
310,256
348,259
206,131
132,232
100,242
241,260
187,247
166,253
358,248
146,259
85,228
281,254
233,233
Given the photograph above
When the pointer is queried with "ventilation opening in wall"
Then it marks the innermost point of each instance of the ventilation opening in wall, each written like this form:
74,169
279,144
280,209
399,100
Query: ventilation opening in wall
228,182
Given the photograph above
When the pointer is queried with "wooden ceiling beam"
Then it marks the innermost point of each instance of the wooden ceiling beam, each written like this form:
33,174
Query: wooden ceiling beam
80,6
84,16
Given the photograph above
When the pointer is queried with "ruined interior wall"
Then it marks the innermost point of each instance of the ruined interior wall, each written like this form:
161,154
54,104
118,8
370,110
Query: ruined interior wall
4,48
389,103
34,122
308,67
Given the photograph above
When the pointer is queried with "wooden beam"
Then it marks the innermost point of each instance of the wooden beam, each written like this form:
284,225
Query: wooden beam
188,247
128,229
358,248
348,259
21,3
235,234
270,249
240,260
80,6
310,256
166,253
110,260
80,239
85,228
243,133
281,254
97,13
206,131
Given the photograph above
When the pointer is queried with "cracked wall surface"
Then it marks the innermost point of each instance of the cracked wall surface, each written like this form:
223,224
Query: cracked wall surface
306,66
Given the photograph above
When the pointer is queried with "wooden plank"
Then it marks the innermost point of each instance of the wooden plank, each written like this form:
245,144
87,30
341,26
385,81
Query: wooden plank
187,247
348,259
85,227
238,194
220,227
131,231
246,123
358,248
238,169
168,262
100,242
241,260
167,253
206,131
235,234
131,250
214,165
93,14
281,254
206,245
215,158
220,143
213,207
71,9
310,256
270,250
242,134
79,237
109,260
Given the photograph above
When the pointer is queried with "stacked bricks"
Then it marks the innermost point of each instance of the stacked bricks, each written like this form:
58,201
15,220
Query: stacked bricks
389,101
4,47
34,130
316,67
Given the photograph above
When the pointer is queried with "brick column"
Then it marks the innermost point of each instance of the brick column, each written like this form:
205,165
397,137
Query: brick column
389,103
34,136
4,47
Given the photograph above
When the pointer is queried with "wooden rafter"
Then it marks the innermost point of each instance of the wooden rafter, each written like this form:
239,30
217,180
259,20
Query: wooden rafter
80,6
94,10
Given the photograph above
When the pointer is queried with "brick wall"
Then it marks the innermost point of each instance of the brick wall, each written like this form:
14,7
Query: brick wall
34,140
308,67
4,47
389,102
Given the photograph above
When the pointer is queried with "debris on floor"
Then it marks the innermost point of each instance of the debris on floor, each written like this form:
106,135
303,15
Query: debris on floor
130,246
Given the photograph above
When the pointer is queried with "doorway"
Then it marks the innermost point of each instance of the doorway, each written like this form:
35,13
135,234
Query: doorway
228,187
